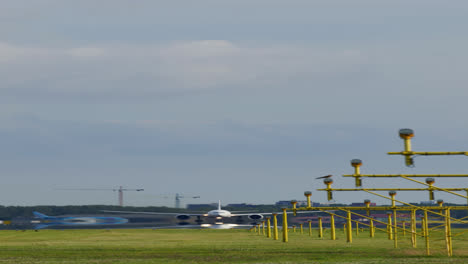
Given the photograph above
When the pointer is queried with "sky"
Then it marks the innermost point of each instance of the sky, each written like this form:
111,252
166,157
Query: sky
239,101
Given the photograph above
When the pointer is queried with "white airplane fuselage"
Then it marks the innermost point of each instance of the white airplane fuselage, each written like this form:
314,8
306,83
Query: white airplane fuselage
219,213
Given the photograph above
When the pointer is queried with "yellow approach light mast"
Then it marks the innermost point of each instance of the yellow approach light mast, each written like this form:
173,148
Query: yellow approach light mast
406,134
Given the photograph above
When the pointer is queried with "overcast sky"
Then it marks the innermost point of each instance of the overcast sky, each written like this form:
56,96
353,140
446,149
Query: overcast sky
243,101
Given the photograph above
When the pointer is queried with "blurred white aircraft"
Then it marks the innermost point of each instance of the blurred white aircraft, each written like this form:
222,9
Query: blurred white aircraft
217,213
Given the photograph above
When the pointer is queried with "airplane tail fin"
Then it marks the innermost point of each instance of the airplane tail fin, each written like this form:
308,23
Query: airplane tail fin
42,216
219,205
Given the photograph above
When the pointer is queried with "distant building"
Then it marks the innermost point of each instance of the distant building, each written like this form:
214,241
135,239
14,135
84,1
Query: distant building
362,204
283,203
428,202
288,203
201,206
299,203
240,205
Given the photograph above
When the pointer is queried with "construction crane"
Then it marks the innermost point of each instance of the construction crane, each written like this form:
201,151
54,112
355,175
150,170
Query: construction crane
120,191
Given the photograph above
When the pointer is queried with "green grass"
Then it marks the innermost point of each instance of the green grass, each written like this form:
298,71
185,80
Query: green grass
215,246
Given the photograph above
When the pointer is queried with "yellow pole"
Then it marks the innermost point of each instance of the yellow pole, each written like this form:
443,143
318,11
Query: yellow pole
294,203
320,234
392,195
357,229
440,203
259,229
269,227
423,225
310,227
395,230
430,182
332,227
275,227
302,229
308,195
447,242
367,203
356,163
407,144
371,228
255,229
349,228
389,226
466,196
406,134
408,159
448,233
344,228
413,228
426,232
263,228
357,170
328,182
404,228
294,229
285,225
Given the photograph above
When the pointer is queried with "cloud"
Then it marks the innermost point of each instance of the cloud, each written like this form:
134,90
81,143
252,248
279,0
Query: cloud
29,136
86,52
141,71
12,53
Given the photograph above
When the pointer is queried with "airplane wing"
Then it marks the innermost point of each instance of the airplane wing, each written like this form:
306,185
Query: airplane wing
152,213
298,212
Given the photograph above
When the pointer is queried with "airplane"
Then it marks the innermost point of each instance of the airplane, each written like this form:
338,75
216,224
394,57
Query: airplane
218,213
47,221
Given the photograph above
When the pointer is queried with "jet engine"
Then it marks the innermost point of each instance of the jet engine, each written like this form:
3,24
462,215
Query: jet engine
183,217
255,216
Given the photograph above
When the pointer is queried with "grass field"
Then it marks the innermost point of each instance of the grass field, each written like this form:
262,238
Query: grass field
214,246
